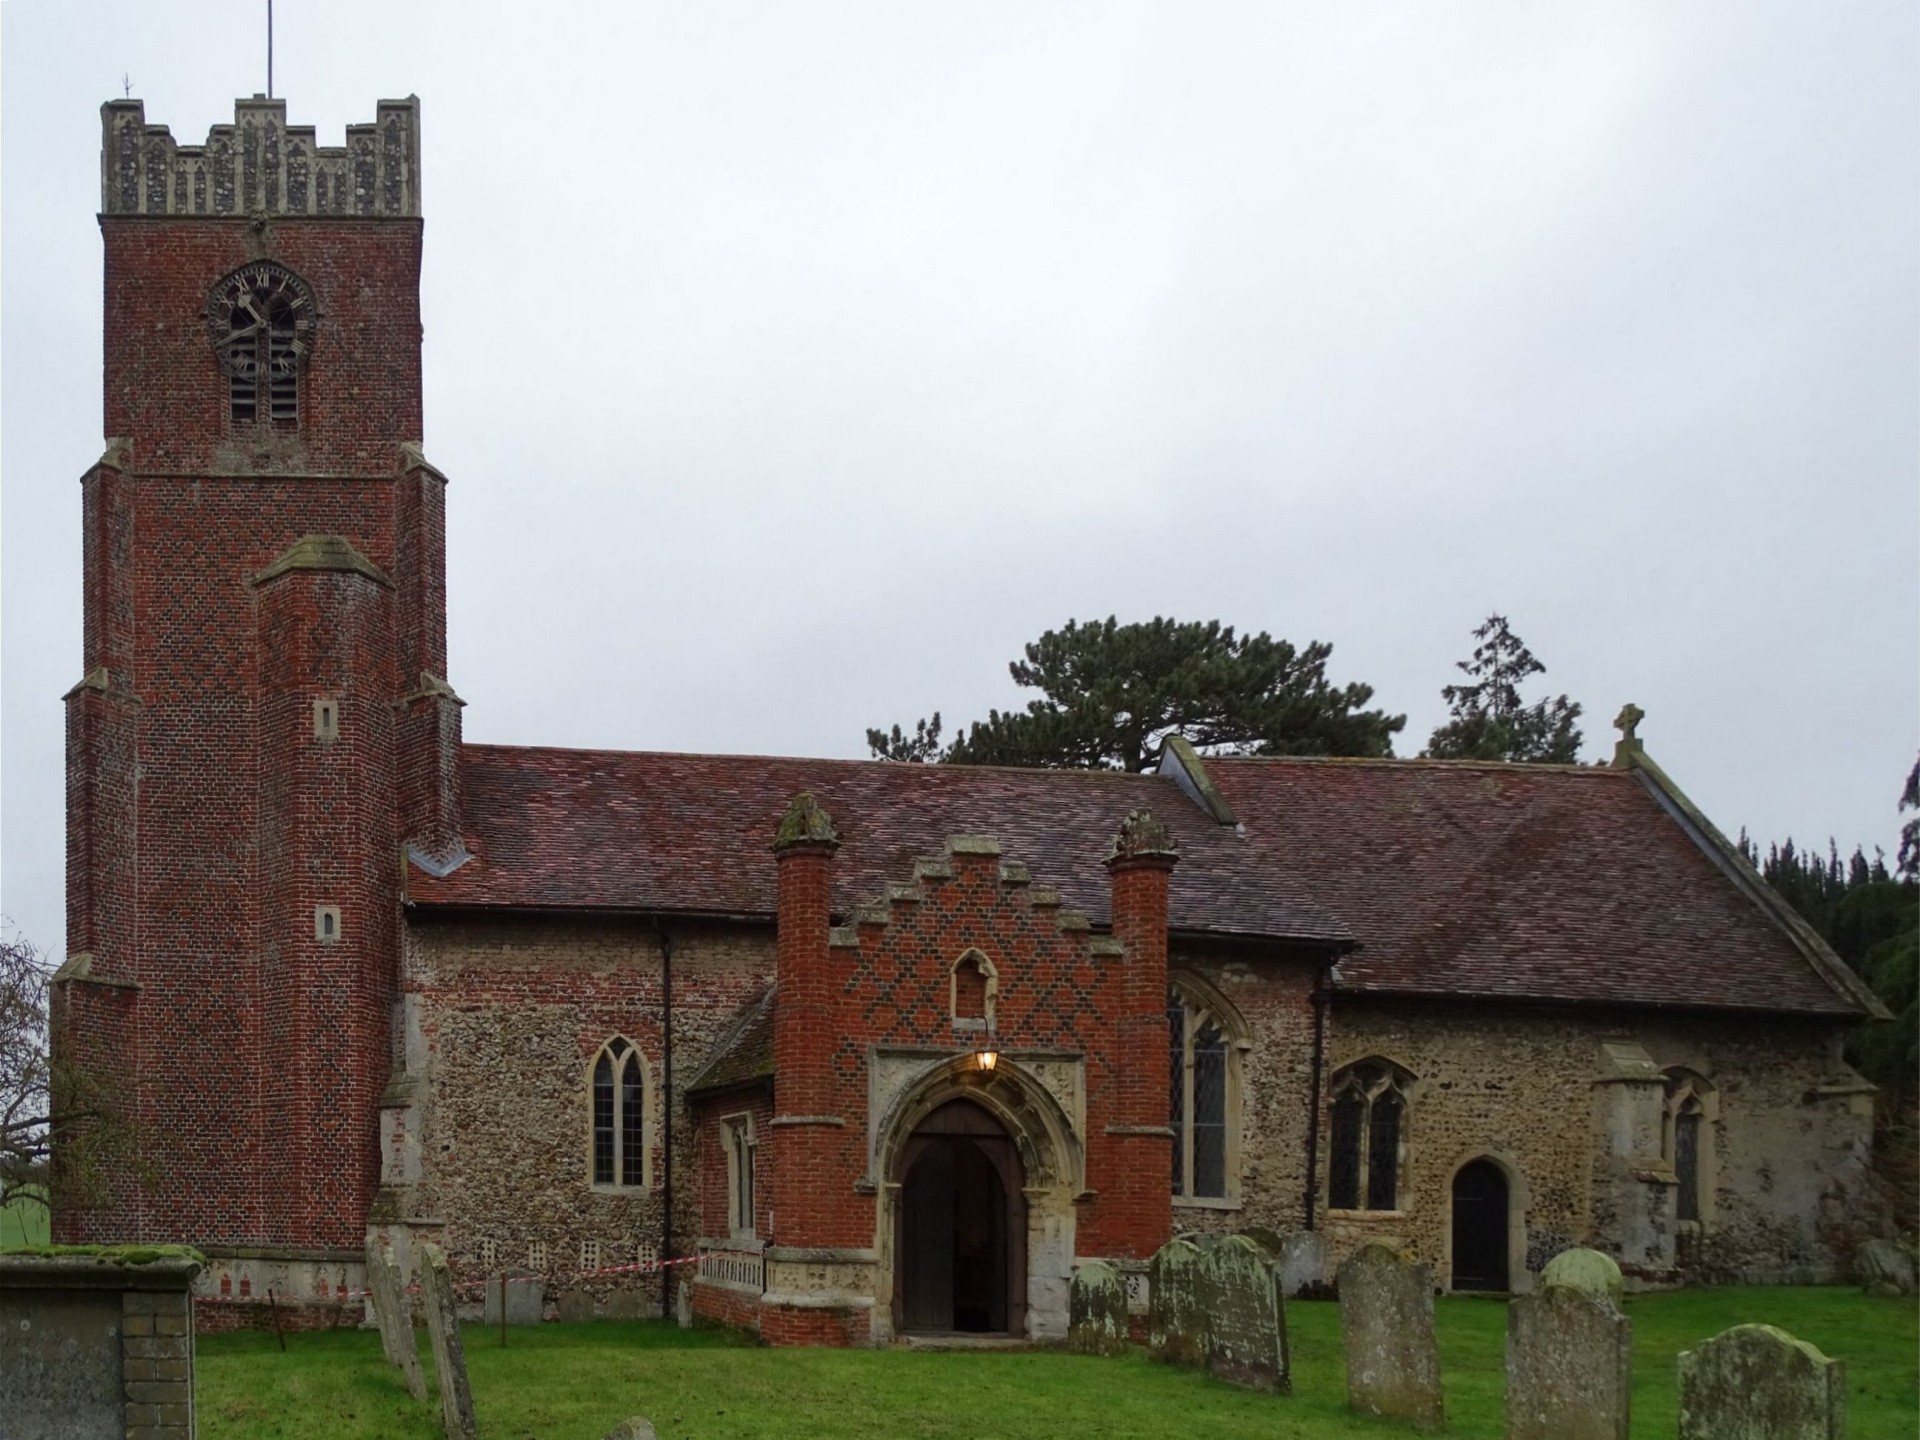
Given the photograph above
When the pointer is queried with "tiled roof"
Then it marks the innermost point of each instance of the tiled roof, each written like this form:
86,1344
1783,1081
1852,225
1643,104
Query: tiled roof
1523,881
745,1052
1498,881
597,829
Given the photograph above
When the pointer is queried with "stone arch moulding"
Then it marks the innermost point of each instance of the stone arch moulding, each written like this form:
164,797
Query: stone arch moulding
1519,1202
1053,1173
990,977
1050,1148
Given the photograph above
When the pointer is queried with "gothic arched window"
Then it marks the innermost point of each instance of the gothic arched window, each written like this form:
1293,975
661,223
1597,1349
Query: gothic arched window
1369,1137
620,1151
1205,1039
1686,1137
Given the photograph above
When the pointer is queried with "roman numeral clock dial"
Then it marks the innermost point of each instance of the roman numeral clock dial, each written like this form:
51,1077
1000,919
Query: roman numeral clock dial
260,319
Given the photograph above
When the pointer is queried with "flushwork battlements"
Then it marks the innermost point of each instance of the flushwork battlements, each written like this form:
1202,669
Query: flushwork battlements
260,165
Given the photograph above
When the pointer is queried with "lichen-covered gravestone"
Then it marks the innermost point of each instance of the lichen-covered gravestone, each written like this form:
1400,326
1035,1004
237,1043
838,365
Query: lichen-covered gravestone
526,1298
1246,1326
1885,1267
1756,1382
1097,1310
1386,1329
394,1316
449,1358
1570,1354
1176,1326
1303,1263
577,1305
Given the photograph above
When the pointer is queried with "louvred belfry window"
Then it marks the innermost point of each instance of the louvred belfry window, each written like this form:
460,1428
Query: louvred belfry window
620,1116
260,319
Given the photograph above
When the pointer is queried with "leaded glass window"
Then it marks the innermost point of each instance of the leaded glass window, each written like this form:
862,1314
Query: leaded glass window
1686,1162
1368,1141
1200,1082
619,1116
1687,1141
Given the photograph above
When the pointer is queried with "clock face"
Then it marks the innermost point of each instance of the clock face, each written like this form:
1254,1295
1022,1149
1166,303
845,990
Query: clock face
260,319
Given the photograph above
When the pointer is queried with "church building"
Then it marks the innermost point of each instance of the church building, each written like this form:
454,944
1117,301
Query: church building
851,1049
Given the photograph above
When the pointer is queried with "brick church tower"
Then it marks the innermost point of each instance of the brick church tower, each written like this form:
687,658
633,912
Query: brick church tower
264,729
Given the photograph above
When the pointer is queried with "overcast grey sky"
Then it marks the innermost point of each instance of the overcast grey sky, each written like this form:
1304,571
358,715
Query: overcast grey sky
793,364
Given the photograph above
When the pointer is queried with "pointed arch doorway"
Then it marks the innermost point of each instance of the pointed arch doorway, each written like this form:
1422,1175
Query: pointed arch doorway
1482,1227
962,1227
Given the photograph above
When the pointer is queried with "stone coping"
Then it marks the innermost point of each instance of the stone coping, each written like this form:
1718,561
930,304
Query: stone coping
124,1267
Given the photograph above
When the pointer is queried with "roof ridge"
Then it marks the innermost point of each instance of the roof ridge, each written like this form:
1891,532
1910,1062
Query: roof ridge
1401,762
851,762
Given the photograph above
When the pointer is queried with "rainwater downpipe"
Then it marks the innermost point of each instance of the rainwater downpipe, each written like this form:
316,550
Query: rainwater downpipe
666,1119
1321,998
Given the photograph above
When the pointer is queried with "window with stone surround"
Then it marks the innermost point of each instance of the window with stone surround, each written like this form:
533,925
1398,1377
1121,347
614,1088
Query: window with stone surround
621,1157
1367,1163
1206,1039
736,1137
1686,1144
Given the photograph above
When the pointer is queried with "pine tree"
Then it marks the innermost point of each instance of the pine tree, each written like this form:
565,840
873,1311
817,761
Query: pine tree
1111,693
1490,722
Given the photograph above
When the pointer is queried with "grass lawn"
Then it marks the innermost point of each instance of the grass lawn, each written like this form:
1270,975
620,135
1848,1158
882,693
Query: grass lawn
24,1222
574,1382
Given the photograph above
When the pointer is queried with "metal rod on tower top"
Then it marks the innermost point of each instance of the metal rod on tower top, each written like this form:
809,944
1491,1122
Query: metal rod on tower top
269,49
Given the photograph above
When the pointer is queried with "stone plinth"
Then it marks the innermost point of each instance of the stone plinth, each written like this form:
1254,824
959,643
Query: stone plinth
98,1345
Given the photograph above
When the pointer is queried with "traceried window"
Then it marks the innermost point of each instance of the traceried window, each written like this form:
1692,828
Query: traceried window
1687,1144
736,1135
1204,1042
620,1116
1369,1137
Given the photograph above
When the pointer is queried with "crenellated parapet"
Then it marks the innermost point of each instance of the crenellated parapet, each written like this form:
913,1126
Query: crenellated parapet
260,165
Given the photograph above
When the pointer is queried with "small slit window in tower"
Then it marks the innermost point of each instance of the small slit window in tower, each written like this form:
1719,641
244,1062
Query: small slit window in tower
969,991
326,719
326,923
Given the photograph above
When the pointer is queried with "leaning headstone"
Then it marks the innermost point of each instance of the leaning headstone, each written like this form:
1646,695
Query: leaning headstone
1884,1268
1587,1270
634,1427
394,1316
683,1305
1097,1309
1303,1263
449,1359
526,1298
1386,1329
1756,1382
1176,1325
629,1302
1569,1365
1246,1327
576,1305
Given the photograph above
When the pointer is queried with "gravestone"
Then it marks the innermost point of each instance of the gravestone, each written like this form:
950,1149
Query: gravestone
1756,1382
683,1305
526,1298
1268,1240
1884,1267
1587,1270
629,1302
1097,1310
1386,1329
576,1305
394,1315
1303,1263
1176,1326
1569,1365
449,1358
1246,1327
634,1427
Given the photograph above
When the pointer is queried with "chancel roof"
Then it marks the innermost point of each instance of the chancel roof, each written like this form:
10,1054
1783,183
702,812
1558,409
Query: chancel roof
1523,882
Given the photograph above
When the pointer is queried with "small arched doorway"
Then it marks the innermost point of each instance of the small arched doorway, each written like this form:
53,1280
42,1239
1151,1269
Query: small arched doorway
1481,1208
961,1243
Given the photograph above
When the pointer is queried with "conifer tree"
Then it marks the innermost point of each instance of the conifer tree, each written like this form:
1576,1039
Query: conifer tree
1110,693
1490,722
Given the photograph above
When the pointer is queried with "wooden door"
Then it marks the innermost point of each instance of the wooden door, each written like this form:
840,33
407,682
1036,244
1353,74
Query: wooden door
1480,1227
926,1239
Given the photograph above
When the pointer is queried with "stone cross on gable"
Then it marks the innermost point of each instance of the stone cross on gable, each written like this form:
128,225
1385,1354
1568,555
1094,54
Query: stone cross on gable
1628,720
